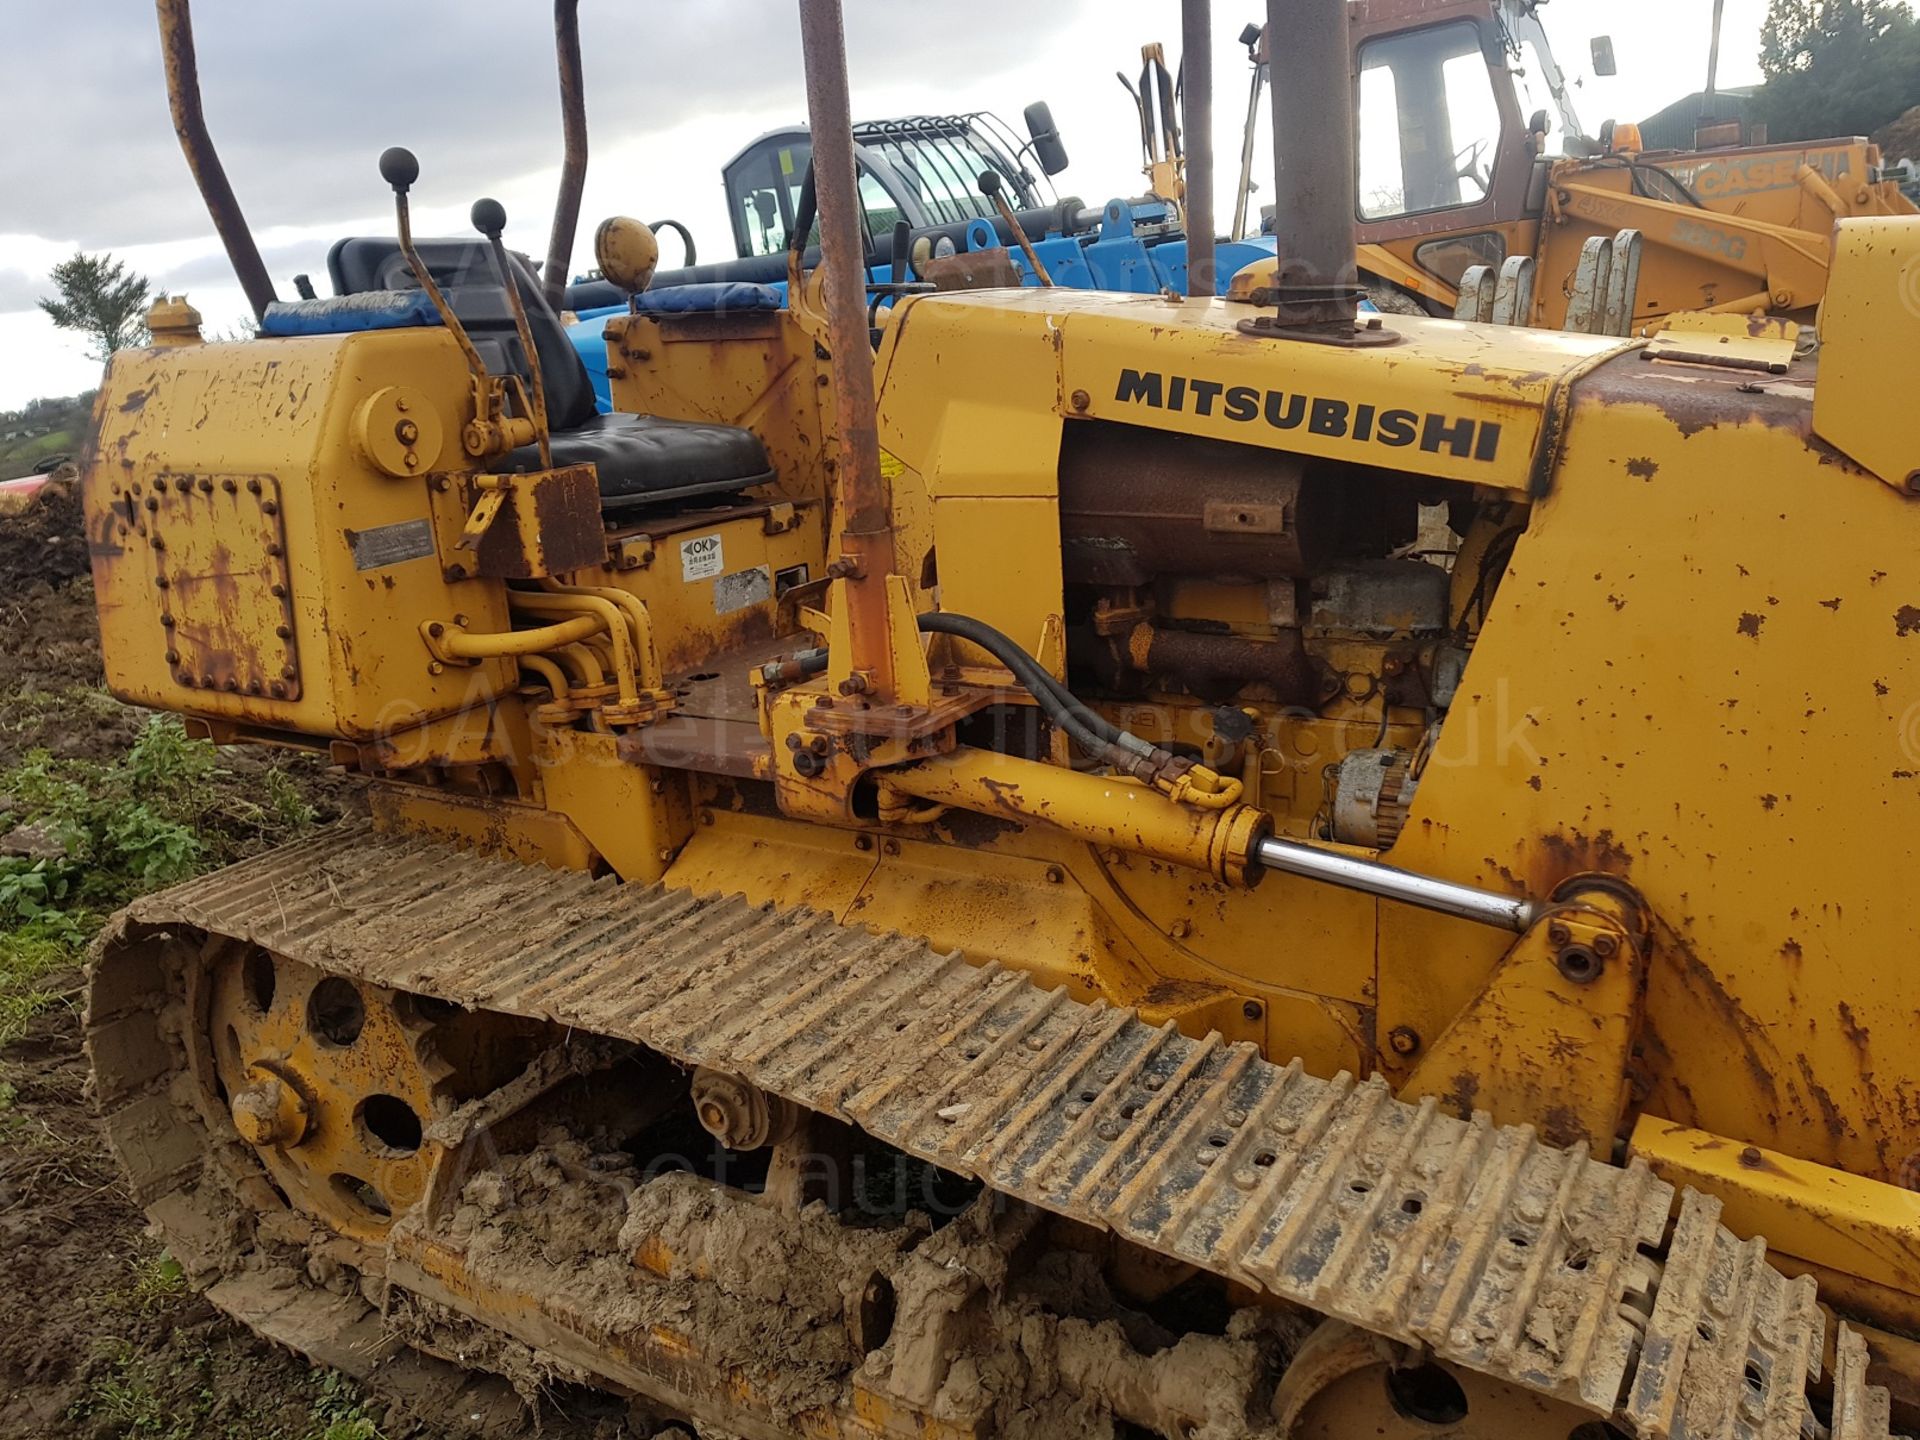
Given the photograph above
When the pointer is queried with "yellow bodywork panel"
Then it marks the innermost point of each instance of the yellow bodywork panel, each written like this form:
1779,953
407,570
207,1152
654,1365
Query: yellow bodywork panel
710,580
635,817
759,369
208,460
1682,682
1448,400
1823,1216
1869,341
493,824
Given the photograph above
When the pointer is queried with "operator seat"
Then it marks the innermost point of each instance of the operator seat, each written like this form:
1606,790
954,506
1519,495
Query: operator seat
640,459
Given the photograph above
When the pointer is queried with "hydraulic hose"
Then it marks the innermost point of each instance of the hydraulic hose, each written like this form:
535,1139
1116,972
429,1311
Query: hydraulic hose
1092,733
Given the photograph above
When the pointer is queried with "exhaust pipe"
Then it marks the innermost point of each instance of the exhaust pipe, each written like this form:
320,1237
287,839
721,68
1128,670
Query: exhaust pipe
1311,66
573,165
1196,96
190,124
860,498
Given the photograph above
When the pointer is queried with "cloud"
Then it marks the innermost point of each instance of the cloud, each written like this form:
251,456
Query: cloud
21,291
301,99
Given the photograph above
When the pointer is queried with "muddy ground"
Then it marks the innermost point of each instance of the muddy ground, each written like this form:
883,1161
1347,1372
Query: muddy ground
99,1336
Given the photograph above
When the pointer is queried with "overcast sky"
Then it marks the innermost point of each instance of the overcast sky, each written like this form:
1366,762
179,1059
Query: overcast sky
303,95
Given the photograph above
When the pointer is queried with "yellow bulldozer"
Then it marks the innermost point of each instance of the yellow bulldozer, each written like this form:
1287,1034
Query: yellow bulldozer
1116,866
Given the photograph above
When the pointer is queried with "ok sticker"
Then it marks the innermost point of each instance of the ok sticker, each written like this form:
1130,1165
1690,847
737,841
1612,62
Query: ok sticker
701,558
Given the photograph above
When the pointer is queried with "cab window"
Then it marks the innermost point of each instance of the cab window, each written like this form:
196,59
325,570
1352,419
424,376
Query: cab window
882,210
1428,122
763,191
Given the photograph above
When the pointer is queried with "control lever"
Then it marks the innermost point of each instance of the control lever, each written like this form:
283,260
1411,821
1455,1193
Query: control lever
991,188
490,218
399,168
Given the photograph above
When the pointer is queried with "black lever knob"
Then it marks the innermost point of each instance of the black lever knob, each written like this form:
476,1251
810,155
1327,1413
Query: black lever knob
489,217
399,168
989,183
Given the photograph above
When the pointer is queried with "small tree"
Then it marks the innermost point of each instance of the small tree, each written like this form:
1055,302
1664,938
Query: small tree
101,299
1836,67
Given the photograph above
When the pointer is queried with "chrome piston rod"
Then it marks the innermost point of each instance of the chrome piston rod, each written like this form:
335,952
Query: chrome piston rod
1389,882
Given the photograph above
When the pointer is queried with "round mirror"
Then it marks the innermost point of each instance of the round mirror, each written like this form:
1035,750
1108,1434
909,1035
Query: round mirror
627,253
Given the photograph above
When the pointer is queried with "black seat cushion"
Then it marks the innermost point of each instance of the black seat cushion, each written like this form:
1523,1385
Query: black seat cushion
643,459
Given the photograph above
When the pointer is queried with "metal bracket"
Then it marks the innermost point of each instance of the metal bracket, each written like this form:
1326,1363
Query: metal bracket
494,490
1507,300
1548,1038
1606,285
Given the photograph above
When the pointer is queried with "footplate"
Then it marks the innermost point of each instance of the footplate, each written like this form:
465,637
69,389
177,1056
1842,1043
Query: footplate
1498,1253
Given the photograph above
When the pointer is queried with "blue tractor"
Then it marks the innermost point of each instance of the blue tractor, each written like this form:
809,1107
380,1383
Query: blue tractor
924,172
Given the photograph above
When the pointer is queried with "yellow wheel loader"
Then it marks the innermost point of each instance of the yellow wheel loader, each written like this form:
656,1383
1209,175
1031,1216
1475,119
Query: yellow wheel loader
1470,158
1124,866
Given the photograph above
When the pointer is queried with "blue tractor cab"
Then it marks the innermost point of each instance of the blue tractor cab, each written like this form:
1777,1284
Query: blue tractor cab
923,171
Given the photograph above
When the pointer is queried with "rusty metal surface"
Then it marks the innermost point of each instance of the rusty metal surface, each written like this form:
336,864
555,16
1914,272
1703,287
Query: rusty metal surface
860,496
573,165
1203,660
1314,186
549,524
1504,1256
1137,504
190,124
1196,98
216,547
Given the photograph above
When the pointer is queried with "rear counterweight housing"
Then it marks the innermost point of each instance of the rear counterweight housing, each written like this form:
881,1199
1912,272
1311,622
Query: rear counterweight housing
253,556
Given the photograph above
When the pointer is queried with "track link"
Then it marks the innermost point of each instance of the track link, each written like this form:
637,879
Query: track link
1500,1254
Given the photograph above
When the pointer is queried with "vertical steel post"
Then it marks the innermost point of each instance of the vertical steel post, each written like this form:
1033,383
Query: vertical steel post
1243,197
190,124
1713,55
573,165
860,496
1311,67
1196,93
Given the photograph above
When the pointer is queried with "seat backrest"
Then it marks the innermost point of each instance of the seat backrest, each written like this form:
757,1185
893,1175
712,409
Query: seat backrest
463,269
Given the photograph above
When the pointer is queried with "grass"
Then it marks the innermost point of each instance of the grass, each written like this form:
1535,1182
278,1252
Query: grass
163,811
155,1282
177,1395
20,456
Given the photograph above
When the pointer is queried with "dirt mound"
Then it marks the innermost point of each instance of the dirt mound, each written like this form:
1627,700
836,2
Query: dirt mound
1900,140
45,542
52,686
